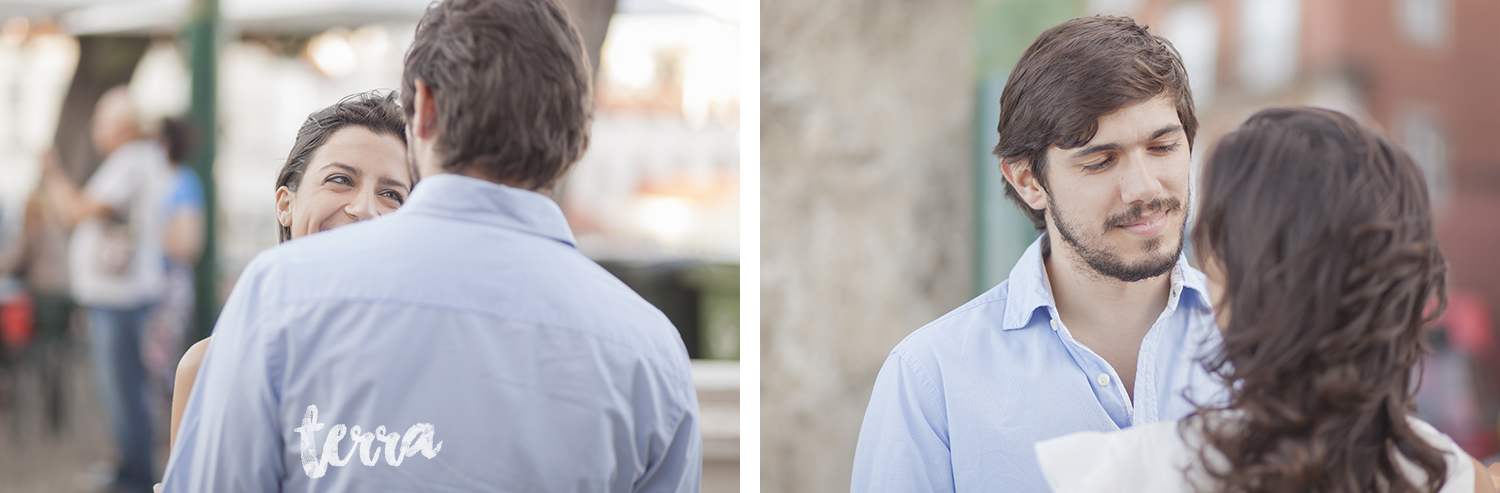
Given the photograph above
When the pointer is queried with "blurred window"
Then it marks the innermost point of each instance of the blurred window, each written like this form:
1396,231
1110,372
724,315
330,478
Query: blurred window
1424,22
1114,7
1194,31
1424,135
660,180
1268,43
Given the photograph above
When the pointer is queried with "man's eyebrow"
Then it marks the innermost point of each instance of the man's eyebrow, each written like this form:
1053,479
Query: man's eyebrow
1096,148
1115,146
1165,130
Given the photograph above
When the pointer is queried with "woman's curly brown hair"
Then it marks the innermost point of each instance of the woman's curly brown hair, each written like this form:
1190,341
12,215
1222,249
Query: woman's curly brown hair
1324,233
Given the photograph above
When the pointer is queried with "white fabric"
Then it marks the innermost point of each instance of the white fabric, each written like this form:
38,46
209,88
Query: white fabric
1156,458
132,179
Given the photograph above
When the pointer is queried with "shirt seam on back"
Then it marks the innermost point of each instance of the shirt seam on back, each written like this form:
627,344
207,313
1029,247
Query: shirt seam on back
439,213
641,352
429,304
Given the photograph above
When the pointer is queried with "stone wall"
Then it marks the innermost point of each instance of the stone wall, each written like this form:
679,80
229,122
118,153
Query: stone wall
867,210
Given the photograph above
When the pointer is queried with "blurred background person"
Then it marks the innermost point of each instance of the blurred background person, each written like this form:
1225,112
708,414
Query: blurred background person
38,257
882,208
182,242
115,260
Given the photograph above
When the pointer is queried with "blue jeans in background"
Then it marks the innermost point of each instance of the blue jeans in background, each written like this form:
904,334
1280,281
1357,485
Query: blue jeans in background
115,345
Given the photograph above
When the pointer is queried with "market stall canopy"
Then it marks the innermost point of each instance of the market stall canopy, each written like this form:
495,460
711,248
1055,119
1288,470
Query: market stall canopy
282,16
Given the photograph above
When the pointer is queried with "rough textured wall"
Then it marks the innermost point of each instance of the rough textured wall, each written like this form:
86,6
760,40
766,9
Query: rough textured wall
867,211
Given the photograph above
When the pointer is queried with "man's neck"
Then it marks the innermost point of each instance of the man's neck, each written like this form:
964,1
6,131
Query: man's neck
429,168
1093,305
1109,316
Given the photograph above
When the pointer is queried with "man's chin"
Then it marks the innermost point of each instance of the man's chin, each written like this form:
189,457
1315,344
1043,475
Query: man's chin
1121,255
1154,257
1149,268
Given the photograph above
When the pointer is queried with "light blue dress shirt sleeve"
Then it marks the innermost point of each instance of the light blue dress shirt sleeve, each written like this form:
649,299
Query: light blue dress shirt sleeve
679,463
903,444
231,422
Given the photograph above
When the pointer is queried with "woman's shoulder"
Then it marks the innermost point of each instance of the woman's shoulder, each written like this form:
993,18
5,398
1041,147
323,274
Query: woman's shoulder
1167,457
1461,472
1150,457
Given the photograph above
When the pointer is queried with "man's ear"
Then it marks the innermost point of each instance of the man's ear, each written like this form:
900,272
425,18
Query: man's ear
1017,171
424,112
284,206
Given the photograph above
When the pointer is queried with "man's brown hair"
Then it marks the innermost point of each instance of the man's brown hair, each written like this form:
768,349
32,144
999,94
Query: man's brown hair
511,85
1073,74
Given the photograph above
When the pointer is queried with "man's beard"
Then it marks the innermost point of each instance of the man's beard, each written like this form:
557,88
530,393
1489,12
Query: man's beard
1107,262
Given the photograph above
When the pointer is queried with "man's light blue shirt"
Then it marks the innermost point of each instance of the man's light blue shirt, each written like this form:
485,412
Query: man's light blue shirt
959,403
468,340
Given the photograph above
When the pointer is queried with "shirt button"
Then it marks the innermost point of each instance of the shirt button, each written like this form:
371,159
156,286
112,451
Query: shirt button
1054,324
1103,379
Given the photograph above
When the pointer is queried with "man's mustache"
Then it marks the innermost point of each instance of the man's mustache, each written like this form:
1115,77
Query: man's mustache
1135,213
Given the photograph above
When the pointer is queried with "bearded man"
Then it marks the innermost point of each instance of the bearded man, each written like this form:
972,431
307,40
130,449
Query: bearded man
1102,320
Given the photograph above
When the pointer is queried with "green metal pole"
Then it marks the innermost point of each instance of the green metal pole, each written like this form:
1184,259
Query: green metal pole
1003,29
202,35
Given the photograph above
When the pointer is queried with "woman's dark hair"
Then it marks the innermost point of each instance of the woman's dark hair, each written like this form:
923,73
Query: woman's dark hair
1325,237
511,84
377,112
1075,73
180,138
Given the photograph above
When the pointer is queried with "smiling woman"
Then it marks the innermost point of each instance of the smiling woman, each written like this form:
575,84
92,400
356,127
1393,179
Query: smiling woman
348,164
357,175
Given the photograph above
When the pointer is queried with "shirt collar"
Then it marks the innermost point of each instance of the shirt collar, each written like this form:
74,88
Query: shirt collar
1029,288
472,199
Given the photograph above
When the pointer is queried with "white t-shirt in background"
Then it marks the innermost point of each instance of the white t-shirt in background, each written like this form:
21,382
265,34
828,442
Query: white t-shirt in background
131,180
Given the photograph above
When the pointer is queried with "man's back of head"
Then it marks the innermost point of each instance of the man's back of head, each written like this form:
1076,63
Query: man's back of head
507,88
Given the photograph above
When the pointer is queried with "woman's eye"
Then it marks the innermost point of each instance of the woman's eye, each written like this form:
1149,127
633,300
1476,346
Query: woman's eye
339,179
393,195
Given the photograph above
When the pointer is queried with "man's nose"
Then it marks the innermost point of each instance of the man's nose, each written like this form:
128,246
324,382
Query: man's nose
1139,182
